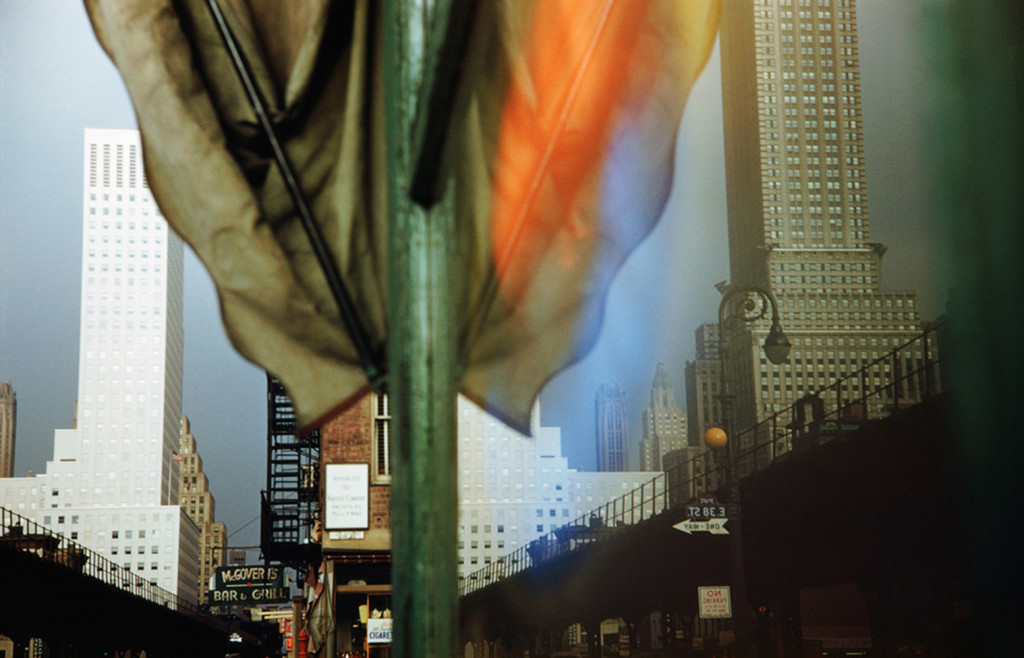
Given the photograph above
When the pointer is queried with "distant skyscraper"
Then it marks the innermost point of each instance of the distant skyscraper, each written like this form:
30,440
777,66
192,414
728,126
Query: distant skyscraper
702,378
198,503
612,427
797,201
8,425
664,423
112,484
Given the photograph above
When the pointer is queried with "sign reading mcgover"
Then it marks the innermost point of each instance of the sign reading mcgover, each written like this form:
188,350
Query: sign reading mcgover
248,585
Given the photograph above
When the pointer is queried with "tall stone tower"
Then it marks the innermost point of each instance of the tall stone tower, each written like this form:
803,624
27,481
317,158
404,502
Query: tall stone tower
197,501
8,426
664,423
797,202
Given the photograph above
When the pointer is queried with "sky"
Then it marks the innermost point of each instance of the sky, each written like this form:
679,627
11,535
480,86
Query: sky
55,81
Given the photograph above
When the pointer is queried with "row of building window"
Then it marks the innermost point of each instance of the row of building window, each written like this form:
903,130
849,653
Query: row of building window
855,316
128,550
119,212
114,161
857,301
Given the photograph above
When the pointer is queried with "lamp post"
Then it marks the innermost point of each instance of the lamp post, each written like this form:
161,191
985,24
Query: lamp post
740,304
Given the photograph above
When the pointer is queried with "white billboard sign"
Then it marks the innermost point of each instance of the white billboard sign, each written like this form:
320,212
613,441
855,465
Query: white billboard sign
347,496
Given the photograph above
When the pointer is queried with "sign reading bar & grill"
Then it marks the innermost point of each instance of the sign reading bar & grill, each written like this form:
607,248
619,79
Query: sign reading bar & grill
248,585
715,602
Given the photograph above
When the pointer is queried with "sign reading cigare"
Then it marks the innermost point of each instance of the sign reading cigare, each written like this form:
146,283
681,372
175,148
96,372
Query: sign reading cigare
346,496
378,631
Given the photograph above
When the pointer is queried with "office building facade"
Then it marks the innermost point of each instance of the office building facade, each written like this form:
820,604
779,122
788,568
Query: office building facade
797,203
702,382
515,489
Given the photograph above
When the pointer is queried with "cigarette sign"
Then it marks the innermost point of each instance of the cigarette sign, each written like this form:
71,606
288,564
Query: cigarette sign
715,602
378,631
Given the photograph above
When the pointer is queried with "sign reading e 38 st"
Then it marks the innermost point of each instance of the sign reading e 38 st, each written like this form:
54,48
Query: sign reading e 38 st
705,514
248,585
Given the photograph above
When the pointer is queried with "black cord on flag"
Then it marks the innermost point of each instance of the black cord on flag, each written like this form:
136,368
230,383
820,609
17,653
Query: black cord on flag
372,359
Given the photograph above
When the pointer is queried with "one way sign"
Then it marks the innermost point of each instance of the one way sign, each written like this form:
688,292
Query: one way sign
715,526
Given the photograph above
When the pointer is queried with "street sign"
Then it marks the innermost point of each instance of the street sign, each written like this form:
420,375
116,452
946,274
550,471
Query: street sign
714,526
715,602
705,514
705,507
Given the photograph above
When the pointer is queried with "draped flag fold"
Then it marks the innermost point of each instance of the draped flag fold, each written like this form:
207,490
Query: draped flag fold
560,163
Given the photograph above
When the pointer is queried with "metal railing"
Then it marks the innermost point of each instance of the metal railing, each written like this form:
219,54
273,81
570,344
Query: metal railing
22,534
905,376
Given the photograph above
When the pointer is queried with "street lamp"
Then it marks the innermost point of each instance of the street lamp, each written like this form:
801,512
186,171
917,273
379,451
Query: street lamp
753,304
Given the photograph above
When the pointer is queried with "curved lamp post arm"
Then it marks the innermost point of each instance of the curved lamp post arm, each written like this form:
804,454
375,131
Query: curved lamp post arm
776,345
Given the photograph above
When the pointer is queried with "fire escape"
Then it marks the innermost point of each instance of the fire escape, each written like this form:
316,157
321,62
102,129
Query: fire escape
290,507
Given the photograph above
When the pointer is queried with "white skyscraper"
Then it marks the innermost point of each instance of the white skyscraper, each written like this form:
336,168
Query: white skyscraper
514,489
113,485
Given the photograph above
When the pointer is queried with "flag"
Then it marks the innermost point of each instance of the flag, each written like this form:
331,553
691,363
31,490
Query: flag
561,162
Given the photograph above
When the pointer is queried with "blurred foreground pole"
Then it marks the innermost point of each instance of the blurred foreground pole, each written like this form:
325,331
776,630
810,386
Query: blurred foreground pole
421,349
980,194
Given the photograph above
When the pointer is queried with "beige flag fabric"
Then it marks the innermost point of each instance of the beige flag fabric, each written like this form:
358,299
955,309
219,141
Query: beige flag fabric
560,152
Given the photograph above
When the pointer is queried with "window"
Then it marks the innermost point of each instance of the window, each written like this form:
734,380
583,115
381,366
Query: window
381,466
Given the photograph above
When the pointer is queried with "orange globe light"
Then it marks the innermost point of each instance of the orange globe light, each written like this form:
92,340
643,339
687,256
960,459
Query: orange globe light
715,437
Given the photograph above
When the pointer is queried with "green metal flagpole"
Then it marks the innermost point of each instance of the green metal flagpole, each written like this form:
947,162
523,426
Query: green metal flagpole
421,348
